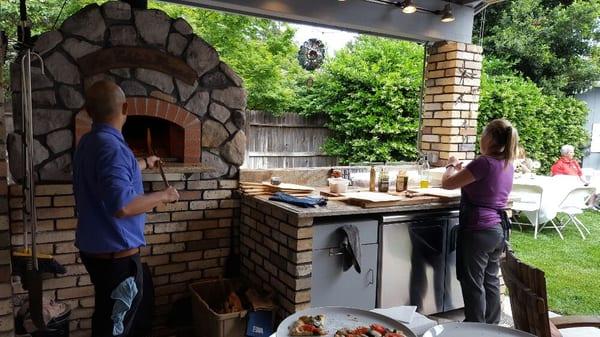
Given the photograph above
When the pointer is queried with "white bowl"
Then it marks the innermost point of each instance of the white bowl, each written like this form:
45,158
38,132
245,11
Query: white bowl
338,185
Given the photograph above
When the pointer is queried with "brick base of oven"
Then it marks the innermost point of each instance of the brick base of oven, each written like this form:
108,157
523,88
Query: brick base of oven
276,253
186,241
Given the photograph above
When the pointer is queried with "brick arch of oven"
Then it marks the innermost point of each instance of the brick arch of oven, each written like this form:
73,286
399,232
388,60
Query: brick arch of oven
156,108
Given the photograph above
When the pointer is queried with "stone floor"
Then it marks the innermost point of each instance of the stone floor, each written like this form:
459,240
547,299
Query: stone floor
458,315
507,321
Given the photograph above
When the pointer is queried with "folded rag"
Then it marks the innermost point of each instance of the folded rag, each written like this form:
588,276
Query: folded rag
304,202
123,295
351,245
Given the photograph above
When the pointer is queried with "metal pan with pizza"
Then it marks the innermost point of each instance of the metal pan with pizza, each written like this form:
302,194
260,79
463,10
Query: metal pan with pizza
309,326
374,330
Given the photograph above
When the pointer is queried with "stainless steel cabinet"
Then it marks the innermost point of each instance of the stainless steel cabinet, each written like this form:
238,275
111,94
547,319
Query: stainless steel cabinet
418,262
331,285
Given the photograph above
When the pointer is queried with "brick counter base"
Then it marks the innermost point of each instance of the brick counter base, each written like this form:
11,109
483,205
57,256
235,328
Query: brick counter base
276,251
187,241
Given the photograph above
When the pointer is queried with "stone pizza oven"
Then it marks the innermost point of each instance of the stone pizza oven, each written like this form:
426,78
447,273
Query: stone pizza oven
176,87
193,105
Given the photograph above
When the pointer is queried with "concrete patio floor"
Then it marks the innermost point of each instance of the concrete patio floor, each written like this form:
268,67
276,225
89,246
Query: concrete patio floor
506,320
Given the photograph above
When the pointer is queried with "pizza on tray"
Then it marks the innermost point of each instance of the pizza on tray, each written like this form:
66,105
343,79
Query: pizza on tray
374,330
309,326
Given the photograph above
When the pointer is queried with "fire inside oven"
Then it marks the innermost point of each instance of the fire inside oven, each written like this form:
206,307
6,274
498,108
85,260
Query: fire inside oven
167,137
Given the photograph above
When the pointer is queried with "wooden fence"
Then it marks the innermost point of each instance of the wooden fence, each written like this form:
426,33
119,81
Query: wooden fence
286,141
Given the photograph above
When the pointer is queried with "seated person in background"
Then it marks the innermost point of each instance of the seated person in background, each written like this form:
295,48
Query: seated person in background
523,164
566,164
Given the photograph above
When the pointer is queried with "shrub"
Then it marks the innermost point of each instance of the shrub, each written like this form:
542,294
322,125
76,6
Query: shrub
545,122
370,92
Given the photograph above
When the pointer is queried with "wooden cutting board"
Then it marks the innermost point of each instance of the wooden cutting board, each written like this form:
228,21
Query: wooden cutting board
372,196
438,192
374,199
288,187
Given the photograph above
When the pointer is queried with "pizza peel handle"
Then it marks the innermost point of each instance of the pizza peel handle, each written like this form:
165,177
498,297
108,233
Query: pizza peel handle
151,152
340,317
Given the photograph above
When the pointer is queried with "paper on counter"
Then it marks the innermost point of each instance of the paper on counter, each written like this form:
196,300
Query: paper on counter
403,314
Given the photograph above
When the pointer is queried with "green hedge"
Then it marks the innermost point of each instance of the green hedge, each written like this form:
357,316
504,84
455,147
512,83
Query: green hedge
545,122
370,92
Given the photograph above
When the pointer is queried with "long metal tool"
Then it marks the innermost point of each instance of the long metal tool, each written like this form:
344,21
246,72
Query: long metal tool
153,153
30,212
33,275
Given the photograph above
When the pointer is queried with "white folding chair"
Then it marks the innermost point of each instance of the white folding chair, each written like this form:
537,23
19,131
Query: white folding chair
528,198
574,204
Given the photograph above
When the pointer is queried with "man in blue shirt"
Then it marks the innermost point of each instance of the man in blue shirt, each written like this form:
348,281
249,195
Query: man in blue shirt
111,204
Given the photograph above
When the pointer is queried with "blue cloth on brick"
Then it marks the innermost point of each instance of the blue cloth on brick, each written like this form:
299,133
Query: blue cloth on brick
106,177
304,202
123,295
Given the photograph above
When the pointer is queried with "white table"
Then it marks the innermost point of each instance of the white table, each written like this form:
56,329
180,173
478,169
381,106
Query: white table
554,190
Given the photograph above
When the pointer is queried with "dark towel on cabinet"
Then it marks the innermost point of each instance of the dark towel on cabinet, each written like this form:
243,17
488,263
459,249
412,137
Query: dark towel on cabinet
351,246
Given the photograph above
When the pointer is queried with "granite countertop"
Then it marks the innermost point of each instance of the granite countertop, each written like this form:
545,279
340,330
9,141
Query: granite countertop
341,208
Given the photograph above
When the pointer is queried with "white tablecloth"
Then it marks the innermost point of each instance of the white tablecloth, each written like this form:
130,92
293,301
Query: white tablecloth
554,191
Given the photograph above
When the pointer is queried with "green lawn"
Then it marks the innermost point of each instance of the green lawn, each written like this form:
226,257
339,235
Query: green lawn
572,266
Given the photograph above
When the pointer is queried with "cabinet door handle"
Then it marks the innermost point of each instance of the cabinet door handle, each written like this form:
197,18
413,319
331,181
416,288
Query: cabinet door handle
371,276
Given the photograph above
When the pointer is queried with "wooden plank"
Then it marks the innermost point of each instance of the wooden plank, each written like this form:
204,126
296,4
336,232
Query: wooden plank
287,154
126,57
266,125
289,140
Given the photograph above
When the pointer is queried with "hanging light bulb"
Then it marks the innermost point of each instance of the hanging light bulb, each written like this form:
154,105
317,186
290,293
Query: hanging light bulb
447,15
409,7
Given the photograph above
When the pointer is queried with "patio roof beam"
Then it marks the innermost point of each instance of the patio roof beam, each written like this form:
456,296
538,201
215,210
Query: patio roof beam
357,16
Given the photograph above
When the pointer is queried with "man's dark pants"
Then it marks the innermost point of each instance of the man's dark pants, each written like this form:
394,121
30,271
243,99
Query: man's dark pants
106,275
477,263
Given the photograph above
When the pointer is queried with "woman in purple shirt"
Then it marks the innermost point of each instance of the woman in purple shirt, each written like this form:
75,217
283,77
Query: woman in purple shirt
485,184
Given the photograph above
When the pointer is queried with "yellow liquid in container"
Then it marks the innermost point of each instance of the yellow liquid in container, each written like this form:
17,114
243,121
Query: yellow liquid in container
424,183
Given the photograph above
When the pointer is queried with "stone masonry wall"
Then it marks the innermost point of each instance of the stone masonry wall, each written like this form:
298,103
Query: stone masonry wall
6,307
186,241
276,253
453,79
148,54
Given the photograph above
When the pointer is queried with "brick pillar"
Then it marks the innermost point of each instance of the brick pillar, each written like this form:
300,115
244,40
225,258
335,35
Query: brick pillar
6,305
451,107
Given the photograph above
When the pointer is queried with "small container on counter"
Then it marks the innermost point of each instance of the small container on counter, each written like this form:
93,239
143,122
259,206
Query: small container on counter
275,180
338,185
372,179
384,181
401,181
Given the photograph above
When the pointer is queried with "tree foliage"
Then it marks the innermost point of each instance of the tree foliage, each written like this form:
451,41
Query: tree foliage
551,42
545,122
370,92
261,51
43,14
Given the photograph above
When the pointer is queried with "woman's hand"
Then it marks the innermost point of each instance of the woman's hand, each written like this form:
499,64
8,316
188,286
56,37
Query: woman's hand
454,162
455,176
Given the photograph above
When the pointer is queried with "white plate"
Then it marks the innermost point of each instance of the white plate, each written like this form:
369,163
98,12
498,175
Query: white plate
473,330
338,317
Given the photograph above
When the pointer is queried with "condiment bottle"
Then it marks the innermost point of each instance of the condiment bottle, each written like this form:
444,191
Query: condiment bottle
384,181
372,179
401,181
424,172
